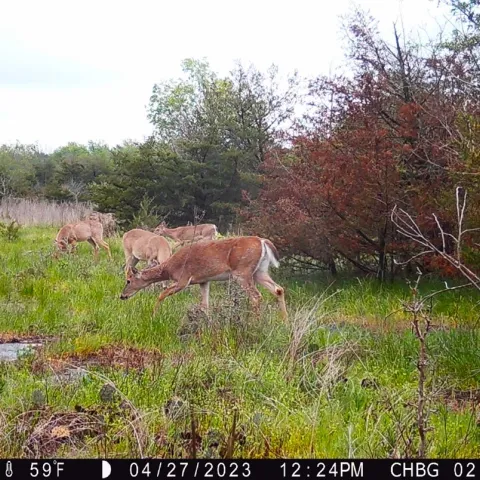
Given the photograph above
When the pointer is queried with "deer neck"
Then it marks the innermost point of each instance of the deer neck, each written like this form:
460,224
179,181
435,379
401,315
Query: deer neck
154,274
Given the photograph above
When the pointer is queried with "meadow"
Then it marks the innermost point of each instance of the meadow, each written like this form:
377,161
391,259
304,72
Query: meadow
339,379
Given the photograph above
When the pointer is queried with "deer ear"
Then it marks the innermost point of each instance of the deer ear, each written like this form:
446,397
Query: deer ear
131,270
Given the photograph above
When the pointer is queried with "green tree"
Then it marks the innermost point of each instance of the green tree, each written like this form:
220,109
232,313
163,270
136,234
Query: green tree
76,166
221,128
17,173
145,171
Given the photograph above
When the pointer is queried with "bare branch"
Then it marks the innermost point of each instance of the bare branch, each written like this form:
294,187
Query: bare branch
407,227
413,258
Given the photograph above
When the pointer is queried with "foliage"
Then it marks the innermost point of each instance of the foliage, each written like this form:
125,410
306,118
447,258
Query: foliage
402,127
222,128
146,217
10,231
150,170
17,173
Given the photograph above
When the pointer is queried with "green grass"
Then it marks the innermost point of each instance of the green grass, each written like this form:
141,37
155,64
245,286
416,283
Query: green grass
347,389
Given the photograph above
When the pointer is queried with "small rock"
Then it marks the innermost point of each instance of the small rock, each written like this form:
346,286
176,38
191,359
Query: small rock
38,398
60,432
257,418
214,438
175,408
107,393
369,383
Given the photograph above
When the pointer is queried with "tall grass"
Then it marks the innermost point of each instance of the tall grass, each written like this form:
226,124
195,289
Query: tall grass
30,212
337,381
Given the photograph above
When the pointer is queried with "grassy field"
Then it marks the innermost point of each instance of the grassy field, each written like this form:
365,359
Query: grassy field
111,380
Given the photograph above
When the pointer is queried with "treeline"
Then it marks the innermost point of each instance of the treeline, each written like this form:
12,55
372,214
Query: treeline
211,136
315,164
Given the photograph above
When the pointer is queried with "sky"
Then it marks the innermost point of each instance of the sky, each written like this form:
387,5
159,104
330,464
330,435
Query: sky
80,71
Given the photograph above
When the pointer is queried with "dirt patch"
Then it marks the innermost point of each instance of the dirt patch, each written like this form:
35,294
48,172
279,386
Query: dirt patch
128,358
15,337
461,399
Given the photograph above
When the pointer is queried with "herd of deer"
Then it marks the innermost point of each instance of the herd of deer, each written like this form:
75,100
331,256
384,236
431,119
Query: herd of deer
201,259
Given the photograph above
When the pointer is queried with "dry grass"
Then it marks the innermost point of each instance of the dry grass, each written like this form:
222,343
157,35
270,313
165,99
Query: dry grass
29,212
42,212
32,212
61,428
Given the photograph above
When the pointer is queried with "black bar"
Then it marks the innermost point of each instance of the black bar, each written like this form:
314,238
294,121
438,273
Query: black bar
239,469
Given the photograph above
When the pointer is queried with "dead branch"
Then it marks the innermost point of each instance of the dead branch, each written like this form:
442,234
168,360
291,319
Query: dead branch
408,227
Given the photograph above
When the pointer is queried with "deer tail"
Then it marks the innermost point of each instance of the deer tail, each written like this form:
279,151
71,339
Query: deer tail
272,253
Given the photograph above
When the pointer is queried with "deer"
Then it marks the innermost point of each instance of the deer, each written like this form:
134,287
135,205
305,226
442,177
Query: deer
147,246
243,259
90,231
193,233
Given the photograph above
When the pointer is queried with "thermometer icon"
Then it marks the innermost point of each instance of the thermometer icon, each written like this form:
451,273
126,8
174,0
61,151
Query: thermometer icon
8,470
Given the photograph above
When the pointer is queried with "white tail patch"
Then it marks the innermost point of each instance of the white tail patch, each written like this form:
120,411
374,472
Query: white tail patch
271,255
267,259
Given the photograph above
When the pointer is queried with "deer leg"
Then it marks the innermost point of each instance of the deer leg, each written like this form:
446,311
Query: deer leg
73,246
205,292
105,246
172,290
92,242
263,278
255,296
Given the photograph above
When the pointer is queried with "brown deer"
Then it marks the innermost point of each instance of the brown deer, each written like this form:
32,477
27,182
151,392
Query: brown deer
193,233
90,231
244,259
147,246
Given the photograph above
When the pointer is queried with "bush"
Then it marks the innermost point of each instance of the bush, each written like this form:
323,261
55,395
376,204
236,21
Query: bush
10,231
146,217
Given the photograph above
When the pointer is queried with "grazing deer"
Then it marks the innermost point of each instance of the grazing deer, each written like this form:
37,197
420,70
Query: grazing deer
244,259
147,246
90,231
193,233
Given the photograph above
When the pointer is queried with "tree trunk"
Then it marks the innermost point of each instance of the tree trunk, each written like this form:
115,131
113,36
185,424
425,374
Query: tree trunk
382,266
332,267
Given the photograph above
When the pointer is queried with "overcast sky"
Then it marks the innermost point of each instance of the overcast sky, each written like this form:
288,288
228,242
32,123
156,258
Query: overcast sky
79,71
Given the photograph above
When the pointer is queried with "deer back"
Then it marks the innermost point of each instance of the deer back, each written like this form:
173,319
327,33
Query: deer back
96,229
215,259
159,248
146,245
193,232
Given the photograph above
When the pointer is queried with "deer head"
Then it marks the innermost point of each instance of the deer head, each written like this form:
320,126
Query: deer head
61,244
136,281
161,227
